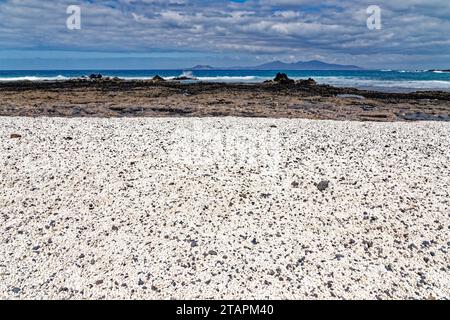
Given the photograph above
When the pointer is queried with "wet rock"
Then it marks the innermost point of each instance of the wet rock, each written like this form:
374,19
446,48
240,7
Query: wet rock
282,78
422,116
157,78
185,77
308,82
95,76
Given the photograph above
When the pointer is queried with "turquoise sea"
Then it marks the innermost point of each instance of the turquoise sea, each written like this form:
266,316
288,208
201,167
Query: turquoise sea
383,80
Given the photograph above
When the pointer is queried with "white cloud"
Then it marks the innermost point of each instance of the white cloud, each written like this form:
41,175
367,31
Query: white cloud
275,28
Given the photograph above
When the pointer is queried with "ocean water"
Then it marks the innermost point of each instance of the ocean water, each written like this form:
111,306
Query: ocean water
382,80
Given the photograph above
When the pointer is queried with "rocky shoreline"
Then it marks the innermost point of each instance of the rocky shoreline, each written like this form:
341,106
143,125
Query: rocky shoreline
281,98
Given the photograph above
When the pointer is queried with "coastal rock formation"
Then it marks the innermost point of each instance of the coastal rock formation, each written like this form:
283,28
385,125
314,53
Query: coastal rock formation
95,76
308,83
186,76
148,98
282,78
157,78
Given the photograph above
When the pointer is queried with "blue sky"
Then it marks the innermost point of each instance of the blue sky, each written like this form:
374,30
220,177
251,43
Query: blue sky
160,34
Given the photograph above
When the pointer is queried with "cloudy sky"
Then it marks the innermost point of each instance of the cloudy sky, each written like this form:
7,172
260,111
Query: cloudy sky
151,34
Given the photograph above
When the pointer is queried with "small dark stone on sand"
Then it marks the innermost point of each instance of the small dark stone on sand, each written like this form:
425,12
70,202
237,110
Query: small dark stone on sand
323,185
36,248
194,244
99,282
212,252
15,136
426,244
339,257
140,282
295,184
16,290
254,241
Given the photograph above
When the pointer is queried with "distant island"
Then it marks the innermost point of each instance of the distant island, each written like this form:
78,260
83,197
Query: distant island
279,65
203,67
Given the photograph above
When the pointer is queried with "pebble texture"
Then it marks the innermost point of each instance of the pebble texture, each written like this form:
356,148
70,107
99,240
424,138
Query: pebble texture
223,208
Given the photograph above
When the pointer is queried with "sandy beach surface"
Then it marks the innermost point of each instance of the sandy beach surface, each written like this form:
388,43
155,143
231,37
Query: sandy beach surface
188,208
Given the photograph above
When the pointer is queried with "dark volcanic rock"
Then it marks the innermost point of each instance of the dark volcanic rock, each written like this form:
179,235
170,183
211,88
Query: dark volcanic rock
194,244
323,185
282,78
157,78
95,76
309,82
107,97
422,116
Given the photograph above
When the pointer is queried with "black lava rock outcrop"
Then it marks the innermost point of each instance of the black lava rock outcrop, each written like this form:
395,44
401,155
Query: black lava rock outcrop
282,78
95,76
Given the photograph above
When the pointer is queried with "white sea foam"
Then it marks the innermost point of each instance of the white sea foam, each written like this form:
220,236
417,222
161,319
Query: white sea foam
33,78
331,80
402,84
234,79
